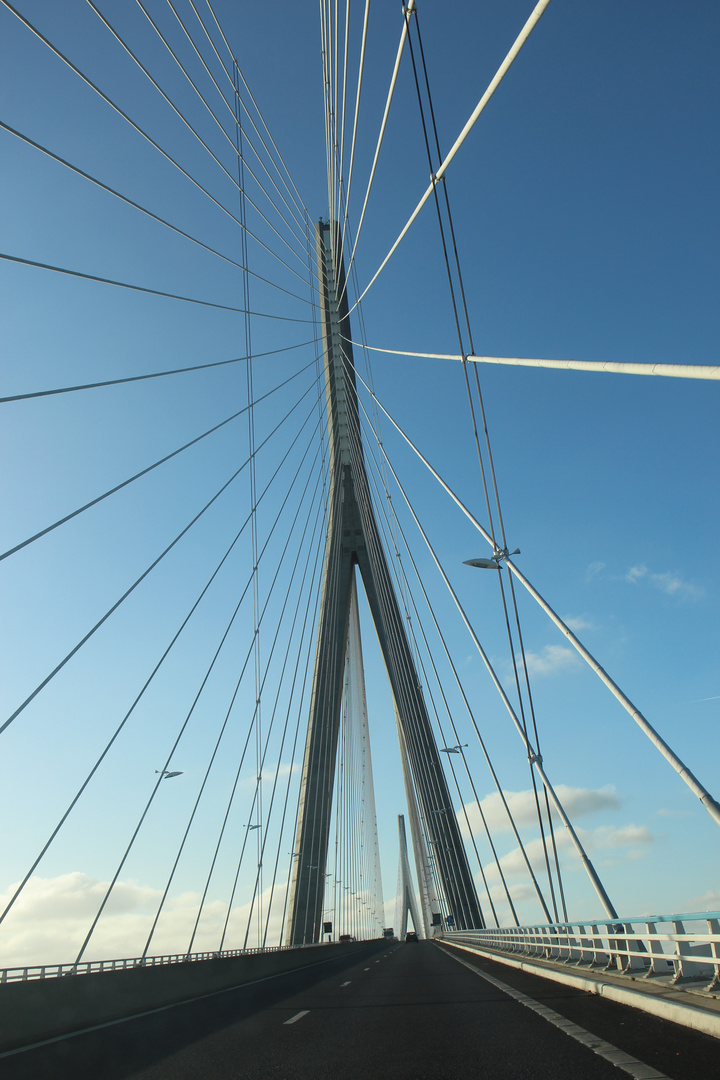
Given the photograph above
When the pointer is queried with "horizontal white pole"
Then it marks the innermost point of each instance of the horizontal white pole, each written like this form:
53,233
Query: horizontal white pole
674,371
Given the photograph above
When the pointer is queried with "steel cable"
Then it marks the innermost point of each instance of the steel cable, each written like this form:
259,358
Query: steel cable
137,128
161,461
135,584
161,771
143,210
254,638
158,375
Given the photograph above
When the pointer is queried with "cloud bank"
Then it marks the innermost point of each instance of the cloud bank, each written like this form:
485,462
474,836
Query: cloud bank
49,922
578,802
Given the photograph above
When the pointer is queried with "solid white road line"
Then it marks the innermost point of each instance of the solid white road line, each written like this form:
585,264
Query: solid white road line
297,1016
629,1064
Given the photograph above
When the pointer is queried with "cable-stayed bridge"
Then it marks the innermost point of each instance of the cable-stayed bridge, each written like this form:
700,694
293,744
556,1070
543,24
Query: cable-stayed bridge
222,478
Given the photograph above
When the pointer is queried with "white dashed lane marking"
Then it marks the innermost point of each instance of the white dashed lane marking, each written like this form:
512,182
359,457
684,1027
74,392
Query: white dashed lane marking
346,983
297,1016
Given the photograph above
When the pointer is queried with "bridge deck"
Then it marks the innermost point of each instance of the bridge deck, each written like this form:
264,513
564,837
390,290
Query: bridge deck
410,1011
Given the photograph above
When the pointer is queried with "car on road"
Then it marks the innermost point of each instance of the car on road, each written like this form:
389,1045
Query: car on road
411,936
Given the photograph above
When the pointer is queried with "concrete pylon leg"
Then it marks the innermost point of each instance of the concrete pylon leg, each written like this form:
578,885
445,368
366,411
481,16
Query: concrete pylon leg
353,539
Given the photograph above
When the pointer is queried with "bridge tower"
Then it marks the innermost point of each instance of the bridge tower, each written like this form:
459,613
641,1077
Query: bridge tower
353,540
406,902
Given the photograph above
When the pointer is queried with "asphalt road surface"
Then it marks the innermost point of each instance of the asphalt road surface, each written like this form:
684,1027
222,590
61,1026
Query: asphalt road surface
405,1012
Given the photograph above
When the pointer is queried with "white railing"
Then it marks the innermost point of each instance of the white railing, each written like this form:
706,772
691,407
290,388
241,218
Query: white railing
54,971
683,947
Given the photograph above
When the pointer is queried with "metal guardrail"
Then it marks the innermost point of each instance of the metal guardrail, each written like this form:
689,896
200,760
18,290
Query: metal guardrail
645,947
55,971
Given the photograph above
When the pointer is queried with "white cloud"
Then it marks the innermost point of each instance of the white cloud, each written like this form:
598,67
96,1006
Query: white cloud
268,775
550,660
668,581
578,802
594,570
605,836
674,813
709,901
578,622
625,843
51,917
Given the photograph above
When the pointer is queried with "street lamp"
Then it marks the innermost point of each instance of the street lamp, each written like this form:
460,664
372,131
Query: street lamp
495,563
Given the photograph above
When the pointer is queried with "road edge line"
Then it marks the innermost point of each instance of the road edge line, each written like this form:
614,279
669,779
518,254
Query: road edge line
690,1016
621,1059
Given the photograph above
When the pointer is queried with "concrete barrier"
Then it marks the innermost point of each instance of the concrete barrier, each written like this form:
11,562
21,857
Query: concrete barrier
40,1009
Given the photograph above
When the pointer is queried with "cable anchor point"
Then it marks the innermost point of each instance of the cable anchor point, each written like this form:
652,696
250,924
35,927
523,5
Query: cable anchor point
502,554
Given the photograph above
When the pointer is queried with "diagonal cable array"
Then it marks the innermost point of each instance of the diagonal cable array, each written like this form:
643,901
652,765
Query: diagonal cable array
223,681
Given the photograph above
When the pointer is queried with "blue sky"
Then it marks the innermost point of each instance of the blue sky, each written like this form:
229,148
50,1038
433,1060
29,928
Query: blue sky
586,212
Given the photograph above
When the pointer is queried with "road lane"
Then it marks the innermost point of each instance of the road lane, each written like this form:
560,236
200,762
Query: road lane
679,1052
414,1013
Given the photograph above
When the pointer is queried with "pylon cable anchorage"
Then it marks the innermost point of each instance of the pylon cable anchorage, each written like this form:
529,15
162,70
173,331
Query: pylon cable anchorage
597,884
708,801
138,129
143,472
610,367
190,128
161,374
143,210
48,678
497,79
168,760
